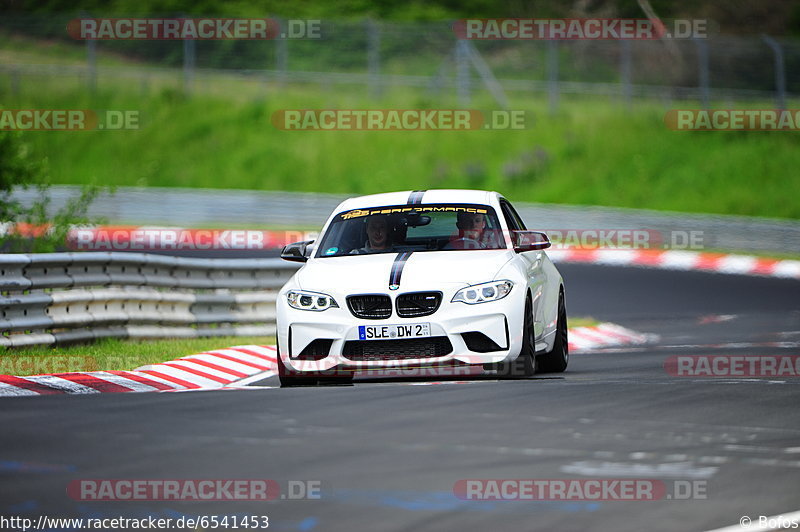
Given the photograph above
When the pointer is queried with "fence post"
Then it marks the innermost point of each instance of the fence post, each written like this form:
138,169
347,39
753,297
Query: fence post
91,61
15,82
702,73
281,51
625,71
374,57
780,72
188,65
552,75
462,73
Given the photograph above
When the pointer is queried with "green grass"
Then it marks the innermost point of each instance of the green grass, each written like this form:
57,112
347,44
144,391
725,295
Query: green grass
592,152
112,354
582,322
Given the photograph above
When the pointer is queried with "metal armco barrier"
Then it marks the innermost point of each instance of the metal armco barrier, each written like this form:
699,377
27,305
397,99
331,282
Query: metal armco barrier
302,211
61,298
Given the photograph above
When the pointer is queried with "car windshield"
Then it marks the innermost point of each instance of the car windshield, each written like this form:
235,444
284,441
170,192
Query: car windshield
397,228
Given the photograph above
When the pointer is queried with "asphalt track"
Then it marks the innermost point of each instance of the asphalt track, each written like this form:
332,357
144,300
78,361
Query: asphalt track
388,453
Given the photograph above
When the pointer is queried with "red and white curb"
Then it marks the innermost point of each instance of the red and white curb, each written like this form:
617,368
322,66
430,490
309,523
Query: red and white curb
681,260
210,370
237,366
586,339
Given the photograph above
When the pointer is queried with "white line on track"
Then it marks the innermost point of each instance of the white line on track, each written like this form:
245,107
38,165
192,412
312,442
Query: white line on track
757,524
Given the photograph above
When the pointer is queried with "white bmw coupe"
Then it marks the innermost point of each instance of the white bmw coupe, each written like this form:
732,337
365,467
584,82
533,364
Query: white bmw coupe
436,278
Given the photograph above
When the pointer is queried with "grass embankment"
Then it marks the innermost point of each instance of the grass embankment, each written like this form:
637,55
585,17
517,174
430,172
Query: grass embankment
112,354
582,322
592,152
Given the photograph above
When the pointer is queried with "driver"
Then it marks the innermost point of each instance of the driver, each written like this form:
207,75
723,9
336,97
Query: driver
378,240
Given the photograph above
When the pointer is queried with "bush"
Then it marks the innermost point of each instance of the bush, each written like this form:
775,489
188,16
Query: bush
33,228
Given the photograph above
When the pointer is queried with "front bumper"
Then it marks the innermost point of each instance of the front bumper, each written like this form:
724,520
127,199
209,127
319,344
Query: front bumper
500,321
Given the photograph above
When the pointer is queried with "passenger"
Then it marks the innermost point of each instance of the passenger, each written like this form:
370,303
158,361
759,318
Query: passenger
471,226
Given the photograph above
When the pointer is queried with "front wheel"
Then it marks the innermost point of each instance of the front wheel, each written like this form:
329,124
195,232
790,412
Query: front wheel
288,379
525,364
556,360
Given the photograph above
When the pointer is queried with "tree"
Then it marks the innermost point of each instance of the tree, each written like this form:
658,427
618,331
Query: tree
33,227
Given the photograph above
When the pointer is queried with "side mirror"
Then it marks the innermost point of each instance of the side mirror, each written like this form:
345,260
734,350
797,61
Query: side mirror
529,240
296,252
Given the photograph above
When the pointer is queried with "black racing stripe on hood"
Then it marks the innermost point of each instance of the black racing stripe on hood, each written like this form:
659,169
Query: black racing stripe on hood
415,198
397,268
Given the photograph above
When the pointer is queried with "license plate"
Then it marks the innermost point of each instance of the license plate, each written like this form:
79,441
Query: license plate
393,332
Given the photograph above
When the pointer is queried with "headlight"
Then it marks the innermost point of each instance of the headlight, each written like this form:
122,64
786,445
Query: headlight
483,293
302,300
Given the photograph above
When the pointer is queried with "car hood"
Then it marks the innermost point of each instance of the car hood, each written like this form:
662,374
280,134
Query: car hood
421,271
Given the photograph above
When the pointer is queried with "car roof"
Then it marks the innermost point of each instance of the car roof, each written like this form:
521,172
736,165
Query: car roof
482,197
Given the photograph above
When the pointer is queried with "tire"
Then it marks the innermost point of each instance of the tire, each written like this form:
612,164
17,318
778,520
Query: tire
526,363
556,360
289,381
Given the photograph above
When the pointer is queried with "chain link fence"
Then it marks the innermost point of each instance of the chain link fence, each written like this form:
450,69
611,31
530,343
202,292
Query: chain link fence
377,55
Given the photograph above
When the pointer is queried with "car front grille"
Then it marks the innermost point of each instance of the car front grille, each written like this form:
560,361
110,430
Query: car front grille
418,304
370,306
433,347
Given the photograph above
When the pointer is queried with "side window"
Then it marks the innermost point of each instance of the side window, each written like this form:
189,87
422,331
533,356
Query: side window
512,218
516,216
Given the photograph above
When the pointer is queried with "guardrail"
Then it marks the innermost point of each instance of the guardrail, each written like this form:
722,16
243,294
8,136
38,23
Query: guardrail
61,298
305,211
